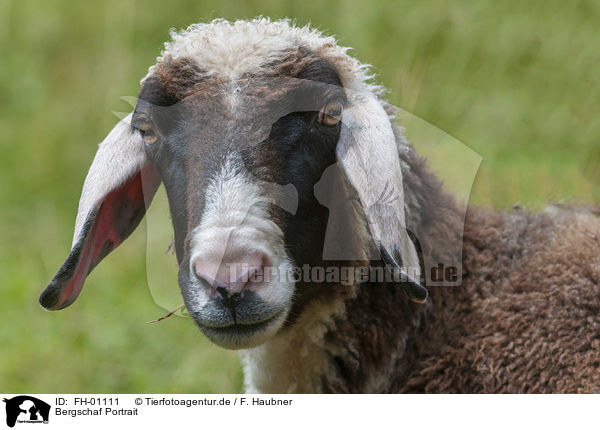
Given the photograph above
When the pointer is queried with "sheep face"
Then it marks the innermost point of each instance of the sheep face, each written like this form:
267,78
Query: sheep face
261,133
239,161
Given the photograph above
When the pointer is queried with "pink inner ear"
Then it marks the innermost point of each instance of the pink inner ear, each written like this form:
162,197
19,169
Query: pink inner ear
117,215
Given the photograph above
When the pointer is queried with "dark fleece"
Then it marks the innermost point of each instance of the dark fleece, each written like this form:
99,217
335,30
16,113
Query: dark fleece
526,318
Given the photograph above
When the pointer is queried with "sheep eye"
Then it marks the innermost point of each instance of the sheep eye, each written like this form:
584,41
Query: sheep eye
331,114
147,132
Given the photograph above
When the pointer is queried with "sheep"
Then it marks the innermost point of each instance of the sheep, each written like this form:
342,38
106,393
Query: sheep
231,116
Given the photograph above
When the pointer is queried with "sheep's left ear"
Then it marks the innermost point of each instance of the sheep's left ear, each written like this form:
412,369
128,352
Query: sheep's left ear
368,153
119,186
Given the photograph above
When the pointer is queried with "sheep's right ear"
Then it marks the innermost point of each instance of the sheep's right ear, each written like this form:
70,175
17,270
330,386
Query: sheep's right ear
119,186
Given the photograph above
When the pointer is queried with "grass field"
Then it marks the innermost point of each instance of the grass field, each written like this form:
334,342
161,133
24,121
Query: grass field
517,82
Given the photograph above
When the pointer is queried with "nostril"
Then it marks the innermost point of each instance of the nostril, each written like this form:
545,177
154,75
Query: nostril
223,292
265,261
230,301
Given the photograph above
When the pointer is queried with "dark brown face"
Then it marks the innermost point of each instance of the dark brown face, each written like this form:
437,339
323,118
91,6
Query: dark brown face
239,160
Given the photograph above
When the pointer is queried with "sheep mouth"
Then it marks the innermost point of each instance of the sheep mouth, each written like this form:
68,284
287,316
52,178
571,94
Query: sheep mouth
247,335
234,323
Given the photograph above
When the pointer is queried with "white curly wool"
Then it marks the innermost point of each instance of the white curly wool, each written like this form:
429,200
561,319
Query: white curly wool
230,49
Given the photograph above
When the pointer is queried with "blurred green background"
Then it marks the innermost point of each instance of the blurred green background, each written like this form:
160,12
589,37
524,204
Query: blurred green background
518,82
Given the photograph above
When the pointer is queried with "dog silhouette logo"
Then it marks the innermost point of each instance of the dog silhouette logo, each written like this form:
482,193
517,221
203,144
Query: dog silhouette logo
26,409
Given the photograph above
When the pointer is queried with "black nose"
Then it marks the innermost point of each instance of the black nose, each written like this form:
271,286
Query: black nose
230,301
223,292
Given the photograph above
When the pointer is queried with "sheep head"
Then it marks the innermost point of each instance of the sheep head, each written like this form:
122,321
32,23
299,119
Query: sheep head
260,132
